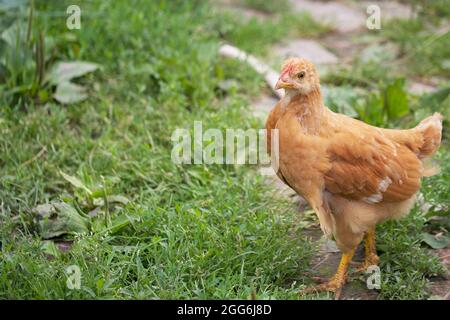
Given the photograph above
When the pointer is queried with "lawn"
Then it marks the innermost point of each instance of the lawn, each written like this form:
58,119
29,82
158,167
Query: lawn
137,225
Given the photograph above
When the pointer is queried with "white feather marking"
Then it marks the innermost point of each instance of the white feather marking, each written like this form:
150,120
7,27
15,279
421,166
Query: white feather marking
384,184
395,150
382,187
375,198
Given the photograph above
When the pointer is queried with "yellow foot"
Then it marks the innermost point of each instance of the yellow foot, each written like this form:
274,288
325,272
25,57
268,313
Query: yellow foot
370,260
338,280
335,285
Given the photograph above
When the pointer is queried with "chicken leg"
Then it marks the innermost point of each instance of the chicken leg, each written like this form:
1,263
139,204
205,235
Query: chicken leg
371,257
336,283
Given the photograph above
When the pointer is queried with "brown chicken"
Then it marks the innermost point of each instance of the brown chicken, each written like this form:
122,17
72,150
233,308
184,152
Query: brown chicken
352,174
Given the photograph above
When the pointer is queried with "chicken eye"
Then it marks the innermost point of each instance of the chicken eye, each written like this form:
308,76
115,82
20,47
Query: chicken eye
301,74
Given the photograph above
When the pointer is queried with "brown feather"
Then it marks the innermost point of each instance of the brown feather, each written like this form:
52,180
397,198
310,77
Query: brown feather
352,174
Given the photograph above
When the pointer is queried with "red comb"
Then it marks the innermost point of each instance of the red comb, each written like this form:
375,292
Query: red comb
286,70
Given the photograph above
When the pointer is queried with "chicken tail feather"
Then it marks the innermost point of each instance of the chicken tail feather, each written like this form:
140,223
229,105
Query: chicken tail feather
429,168
431,132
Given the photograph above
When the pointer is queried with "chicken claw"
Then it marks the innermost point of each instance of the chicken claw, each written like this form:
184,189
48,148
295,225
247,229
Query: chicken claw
371,260
371,257
336,283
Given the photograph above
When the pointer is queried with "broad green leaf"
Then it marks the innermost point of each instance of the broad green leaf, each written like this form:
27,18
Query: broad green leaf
370,109
15,34
59,218
396,99
374,108
67,92
75,182
65,71
435,241
341,99
16,56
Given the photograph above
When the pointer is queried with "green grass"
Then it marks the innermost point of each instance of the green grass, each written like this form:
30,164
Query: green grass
268,6
406,264
424,50
256,35
190,231
197,231
434,10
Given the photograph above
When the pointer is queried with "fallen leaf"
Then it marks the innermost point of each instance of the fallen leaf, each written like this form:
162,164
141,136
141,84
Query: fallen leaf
59,218
65,71
436,241
67,92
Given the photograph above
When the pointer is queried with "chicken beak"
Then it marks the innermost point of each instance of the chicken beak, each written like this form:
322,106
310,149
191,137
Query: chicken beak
280,84
283,81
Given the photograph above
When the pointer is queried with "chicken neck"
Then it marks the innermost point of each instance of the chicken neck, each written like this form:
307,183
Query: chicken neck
308,108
